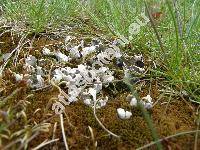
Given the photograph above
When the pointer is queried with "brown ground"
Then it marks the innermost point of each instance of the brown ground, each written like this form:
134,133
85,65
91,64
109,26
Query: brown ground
177,116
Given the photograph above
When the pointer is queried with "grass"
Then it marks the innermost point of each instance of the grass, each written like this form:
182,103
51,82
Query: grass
145,114
37,15
171,42
179,29
112,16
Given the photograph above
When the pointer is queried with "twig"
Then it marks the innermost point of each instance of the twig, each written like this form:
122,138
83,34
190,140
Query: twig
63,132
4,32
44,144
10,55
171,136
100,123
93,139
25,144
196,135
20,45
11,144
54,130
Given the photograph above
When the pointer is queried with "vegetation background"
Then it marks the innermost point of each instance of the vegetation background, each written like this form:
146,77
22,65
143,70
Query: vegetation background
171,40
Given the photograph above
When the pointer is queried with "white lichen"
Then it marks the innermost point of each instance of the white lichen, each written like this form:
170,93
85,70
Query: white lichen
133,102
123,114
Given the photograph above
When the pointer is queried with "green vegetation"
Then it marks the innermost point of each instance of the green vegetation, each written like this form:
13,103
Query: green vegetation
37,15
170,43
178,27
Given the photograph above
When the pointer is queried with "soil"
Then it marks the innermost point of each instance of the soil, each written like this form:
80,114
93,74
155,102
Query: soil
169,117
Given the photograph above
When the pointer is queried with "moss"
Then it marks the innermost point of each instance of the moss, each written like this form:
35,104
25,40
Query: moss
134,132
